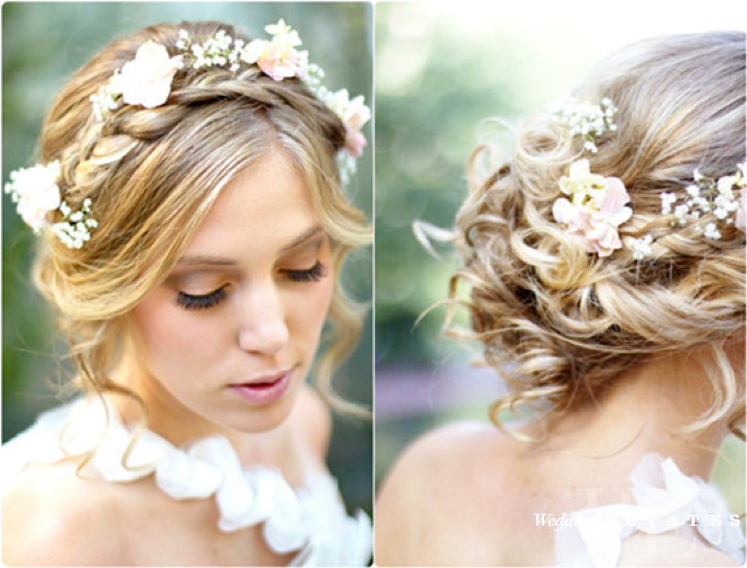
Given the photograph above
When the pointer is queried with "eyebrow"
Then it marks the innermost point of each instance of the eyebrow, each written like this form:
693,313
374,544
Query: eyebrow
206,260
302,239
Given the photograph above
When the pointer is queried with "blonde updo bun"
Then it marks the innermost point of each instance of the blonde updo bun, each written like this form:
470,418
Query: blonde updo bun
153,175
560,324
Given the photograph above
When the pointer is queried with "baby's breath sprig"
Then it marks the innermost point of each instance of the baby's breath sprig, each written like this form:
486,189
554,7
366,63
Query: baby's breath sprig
209,51
641,247
722,197
585,119
75,229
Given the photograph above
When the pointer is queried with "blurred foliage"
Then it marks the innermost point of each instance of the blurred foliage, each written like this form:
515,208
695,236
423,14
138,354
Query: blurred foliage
426,126
43,44
429,104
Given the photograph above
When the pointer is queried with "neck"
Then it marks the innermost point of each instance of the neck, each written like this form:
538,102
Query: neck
647,409
176,423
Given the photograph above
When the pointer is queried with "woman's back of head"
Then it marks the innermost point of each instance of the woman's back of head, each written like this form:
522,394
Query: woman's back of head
559,322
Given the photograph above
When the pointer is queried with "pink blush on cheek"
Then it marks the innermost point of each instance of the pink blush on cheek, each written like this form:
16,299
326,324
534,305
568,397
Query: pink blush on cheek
172,338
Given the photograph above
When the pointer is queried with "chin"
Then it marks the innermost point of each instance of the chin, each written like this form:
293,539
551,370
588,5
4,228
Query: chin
262,419
259,425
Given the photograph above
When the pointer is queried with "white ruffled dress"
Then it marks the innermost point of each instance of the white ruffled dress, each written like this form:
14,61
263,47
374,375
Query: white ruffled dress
666,500
310,521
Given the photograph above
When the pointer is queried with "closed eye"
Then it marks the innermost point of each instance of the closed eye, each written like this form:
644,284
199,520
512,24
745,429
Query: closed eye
201,302
313,274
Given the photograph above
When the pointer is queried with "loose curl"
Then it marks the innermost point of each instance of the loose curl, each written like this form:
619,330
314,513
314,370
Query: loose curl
154,174
560,324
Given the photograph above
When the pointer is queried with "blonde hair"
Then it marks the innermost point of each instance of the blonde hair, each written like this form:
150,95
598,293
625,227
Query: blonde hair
153,175
560,324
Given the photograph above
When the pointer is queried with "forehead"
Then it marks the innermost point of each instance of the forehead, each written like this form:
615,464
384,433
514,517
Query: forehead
266,205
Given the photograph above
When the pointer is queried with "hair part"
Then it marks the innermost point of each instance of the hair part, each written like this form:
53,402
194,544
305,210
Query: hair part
154,174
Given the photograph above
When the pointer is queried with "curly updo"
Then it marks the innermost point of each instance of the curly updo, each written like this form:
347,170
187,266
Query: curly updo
560,324
152,176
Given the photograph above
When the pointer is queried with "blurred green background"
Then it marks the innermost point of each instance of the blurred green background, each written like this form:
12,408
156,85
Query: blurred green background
42,44
443,71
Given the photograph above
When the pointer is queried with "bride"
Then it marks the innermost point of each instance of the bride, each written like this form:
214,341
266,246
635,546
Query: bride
606,263
192,224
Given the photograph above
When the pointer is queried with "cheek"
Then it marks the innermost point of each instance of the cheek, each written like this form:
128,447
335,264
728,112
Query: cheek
167,336
310,311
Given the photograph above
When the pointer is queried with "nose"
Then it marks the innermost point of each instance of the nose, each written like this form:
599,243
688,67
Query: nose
263,328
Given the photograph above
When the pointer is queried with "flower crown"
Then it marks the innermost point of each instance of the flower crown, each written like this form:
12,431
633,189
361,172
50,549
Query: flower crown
594,206
146,81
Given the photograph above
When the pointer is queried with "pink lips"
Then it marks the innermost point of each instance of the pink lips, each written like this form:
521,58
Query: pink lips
264,391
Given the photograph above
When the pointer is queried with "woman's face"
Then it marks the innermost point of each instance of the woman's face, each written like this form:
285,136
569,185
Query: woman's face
229,337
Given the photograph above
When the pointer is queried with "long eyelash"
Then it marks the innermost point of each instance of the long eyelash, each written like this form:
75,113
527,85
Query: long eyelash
190,302
313,274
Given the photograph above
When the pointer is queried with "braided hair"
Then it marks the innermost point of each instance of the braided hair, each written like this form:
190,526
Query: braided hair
153,175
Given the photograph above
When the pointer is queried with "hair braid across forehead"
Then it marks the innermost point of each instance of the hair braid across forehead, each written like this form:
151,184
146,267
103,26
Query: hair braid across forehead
150,174
194,64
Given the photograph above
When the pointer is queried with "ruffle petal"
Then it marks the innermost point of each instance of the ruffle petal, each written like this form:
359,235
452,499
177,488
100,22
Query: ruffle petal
182,477
284,530
311,520
665,499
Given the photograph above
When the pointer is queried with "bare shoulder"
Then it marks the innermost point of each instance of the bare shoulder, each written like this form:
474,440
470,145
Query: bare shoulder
439,501
311,420
442,452
52,517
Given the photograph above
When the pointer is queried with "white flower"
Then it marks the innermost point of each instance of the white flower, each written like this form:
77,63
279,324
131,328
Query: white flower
725,184
711,231
580,181
104,101
692,191
146,80
667,199
681,212
703,204
74,229
283,33
184,39
36,193
641,247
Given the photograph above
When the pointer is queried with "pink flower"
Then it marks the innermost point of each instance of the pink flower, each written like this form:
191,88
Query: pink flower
612,200
36,192
597,210
355,142
354,115
278,58
146,80
280,61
